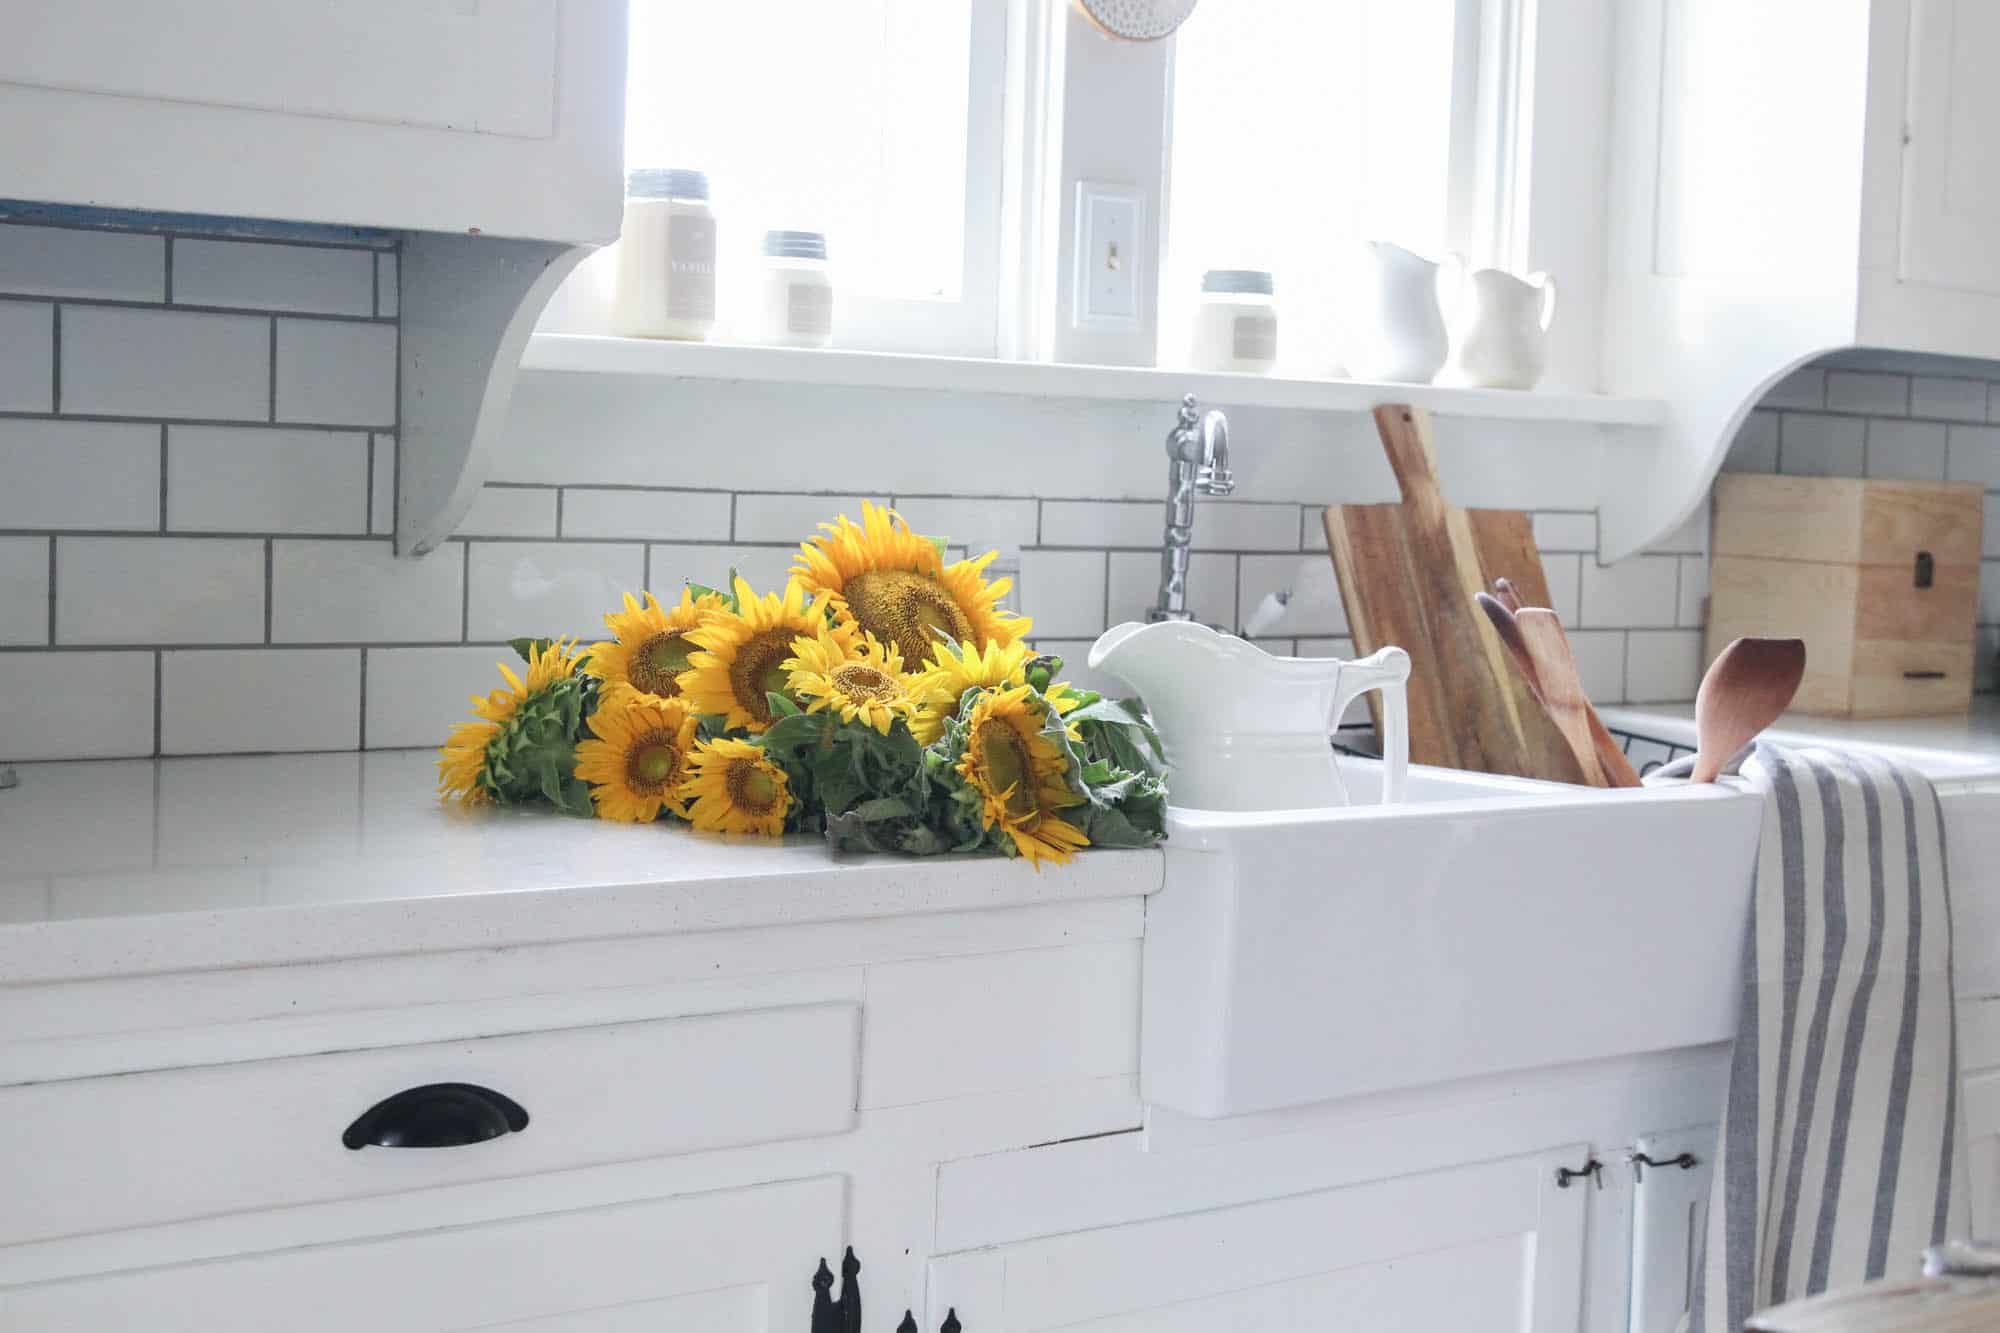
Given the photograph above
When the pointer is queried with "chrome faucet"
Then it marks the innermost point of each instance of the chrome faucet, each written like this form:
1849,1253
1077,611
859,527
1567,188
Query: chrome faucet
1197,463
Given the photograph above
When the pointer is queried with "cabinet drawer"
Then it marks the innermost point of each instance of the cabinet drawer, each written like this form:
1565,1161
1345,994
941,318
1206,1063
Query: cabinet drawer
159,1147
736,1259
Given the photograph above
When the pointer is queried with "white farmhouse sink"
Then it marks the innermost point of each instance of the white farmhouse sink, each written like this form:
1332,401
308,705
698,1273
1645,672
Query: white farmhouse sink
1488,924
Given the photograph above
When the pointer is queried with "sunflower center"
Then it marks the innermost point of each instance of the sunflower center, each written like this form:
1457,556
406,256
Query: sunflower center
657,661
910,610
759,670
653,760
857,680
751,787
1009,766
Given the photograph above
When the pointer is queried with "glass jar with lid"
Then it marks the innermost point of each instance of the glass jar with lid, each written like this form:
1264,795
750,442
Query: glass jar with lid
666,257
1236,321
798,289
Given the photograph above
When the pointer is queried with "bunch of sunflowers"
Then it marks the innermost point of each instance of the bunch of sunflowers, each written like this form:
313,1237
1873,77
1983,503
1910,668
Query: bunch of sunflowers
883,699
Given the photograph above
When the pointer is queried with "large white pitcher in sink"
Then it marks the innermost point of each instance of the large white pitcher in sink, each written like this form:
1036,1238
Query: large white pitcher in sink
1245,730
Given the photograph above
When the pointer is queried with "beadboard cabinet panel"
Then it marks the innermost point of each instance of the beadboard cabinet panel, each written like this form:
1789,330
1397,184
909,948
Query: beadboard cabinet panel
1951,166
729,1262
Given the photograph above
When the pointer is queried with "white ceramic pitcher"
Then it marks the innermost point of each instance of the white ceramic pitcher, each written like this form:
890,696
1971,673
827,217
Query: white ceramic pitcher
1501,328
1394,326
1245,730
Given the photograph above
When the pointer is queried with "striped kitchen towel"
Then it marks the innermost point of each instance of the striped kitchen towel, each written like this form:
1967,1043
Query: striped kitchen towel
1838,1160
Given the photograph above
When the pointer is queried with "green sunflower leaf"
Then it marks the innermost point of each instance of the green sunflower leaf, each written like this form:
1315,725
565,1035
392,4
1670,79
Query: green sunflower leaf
781,704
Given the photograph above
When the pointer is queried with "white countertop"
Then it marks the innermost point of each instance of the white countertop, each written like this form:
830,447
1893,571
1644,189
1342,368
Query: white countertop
1960,747
117,867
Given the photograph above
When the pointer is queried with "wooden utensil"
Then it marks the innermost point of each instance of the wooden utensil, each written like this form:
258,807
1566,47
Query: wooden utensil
1408,572
1561,690
1611,760
1748,685
1503,588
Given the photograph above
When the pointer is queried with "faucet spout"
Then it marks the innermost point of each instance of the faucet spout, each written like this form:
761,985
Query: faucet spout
1197,464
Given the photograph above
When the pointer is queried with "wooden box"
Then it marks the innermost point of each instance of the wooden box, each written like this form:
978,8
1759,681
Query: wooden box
1880,578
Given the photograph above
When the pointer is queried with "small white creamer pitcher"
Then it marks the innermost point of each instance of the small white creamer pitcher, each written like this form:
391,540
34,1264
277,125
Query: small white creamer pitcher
1500,334
1393,328
1244,730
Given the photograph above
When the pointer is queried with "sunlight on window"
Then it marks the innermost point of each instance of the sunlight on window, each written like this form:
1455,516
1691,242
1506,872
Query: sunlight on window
1300,128
846,118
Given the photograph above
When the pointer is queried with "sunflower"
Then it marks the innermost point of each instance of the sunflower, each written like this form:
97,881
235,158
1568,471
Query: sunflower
650,645
639,759
743,652
1020,775
462,760
883,578
862,680
735,789
941,686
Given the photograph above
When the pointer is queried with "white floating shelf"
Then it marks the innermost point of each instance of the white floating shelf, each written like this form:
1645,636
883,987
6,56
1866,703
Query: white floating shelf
586,355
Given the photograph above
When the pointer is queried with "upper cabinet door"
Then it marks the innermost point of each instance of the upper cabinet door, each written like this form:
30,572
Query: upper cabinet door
502,117
1951,160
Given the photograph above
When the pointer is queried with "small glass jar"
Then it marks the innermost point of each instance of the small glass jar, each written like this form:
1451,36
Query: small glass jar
1236,322
798,290
666,257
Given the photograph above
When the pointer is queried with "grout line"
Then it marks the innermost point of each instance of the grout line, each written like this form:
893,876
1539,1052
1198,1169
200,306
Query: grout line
174,224
646,570
193,308
112,418
52,592
233,646
733,498
55,361
375,284
361,731
272,368
395,484
559,513
163,478
159,690
167,295
368,491
268,560
465,596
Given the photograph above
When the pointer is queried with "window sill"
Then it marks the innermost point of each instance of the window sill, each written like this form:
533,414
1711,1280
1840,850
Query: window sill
586,355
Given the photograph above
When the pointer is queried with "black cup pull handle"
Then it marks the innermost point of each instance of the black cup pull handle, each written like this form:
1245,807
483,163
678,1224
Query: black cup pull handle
437,1115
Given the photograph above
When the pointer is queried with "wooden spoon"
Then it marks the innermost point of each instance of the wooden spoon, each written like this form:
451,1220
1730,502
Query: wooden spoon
1747,686
1618,770
1560,690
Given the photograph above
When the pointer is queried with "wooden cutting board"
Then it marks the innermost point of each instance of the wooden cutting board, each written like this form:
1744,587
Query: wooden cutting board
1407,574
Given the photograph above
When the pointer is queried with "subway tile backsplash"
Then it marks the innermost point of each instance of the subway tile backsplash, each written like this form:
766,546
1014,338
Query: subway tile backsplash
197,487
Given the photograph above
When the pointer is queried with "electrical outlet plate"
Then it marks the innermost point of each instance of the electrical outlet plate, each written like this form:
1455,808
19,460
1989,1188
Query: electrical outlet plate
1110,257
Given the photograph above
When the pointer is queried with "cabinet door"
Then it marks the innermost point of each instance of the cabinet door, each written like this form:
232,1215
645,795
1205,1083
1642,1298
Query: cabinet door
735,1261
1669,1214
505,116
1951,159
1495,1247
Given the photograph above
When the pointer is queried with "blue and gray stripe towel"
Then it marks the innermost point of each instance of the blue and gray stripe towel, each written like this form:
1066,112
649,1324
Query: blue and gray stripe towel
1839,1157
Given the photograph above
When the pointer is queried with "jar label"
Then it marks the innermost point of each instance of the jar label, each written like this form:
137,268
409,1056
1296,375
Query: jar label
809,309
1256,338
690,267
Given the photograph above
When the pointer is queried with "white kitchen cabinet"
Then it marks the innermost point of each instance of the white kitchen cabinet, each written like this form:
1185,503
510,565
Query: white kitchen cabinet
1669,1215
732,1261
495,117
1788,178
1489,1247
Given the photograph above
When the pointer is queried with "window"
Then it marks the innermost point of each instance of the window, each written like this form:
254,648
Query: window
937,144
875,122
1299,129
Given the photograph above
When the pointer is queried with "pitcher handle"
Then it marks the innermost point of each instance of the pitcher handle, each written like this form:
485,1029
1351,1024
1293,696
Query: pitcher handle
1388,671
1548,281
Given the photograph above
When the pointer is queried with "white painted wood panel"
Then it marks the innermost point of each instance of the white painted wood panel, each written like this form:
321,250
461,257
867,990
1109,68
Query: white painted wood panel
1669,1217
738,1261
1511,1240
486,68
958,1027
151,1148
425,116
1951,164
